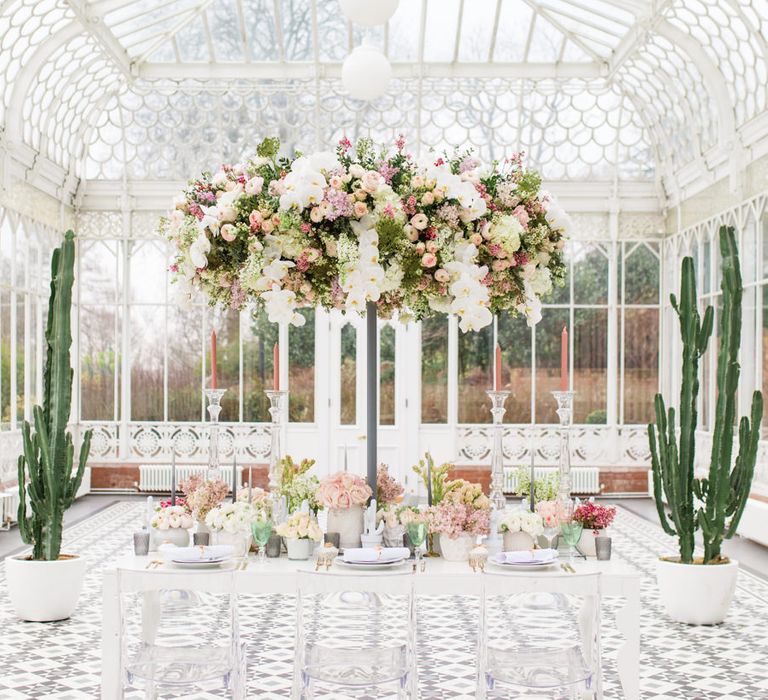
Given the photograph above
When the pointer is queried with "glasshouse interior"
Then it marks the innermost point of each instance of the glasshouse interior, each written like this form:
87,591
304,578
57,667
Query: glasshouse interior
471,297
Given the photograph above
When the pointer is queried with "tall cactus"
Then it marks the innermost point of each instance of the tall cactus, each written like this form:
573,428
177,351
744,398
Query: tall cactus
724,493
49,451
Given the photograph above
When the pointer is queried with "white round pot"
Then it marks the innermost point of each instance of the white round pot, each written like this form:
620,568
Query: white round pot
177,536
300,549
587,541
348,522
241,541
696,594
517,541
44,591
456,548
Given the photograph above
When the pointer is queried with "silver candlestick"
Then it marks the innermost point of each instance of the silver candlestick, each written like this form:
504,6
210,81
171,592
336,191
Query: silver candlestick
277,402
565,413
498,399
214,409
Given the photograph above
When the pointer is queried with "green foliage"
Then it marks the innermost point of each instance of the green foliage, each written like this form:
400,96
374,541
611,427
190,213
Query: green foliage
598,417
268,148
544,489
49,450
440,484
720,497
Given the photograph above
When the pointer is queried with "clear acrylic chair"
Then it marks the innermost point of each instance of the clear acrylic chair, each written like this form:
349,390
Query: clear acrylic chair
355,633
539,636
179,632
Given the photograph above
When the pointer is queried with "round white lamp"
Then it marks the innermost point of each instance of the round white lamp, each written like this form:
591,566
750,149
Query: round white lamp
366,73
368,13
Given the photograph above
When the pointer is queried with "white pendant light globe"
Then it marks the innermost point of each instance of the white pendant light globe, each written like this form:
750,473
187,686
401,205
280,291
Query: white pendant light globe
366,73
368,13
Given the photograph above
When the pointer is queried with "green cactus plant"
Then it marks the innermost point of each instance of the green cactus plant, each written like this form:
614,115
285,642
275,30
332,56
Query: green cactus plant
48,450
714,503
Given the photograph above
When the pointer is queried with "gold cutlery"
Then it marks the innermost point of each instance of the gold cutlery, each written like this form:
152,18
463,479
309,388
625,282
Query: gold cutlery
153,564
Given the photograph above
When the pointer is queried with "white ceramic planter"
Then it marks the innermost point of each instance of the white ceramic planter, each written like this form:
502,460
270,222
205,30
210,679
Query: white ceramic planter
587,542
44,591
456,548
241,541
696,594
175,535
348,522
517,541
300,549
393,536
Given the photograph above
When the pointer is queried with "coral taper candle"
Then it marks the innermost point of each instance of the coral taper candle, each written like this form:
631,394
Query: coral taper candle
214,383
497,369
276,367
564,360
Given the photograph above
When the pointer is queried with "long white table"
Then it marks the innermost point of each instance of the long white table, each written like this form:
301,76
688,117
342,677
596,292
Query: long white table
440,578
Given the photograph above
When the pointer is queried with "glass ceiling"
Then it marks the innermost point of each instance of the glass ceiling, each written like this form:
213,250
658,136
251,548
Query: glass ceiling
595,89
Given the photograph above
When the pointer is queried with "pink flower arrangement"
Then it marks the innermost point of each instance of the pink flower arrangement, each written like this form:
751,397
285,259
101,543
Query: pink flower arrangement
388,489
464,508
342,490
181,502
203,495
593,516
553,513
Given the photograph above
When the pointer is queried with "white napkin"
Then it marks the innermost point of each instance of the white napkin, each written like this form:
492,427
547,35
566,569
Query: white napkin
528,556
196,554
368,555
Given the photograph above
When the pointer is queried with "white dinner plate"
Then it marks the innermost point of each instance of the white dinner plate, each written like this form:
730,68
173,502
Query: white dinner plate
200,564
370,566
528,566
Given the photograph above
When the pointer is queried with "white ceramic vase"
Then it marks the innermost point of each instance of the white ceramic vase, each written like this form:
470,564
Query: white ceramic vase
241,541
696,594
517,541
177,536
348,522
44,591
300,549
587,541
456,548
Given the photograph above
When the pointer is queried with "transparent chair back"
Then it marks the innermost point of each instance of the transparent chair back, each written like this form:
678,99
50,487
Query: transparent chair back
540,636
355,633
179,633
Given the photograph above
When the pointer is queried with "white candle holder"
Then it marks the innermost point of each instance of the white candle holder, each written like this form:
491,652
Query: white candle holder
565,413
214,410
498,399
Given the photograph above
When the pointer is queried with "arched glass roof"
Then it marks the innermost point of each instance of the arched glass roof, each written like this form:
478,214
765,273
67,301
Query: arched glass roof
598,90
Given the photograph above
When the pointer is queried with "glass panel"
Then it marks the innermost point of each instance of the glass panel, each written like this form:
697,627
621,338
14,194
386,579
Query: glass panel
748,253
590,275
641,364
765,354
148,270
642,277
434,370
548,333
705,284
259,338
185,364
98,273
442,22
19,356
590,365
301,369
99,362
348,374
5,356
228,364
147,335
765,246
515,338
387,375
476,28
475,374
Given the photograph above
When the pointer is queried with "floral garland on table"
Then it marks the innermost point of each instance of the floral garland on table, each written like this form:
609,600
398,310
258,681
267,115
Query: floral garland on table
358,225
343,490
463,509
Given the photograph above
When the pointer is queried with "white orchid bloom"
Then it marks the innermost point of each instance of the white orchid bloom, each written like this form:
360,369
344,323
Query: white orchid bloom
210,220
199,250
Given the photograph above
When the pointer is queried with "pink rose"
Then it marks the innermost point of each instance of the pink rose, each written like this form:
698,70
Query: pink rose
361,209
419,221
371,181
521,215
254,185
255,217
344,500
442,275
429,260
428,198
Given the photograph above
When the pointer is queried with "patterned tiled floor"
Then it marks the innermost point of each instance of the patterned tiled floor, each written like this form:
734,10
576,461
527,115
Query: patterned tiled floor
61,660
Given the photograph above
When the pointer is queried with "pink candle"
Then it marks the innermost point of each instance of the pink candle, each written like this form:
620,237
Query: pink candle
214,384
497,369
276,367
564,360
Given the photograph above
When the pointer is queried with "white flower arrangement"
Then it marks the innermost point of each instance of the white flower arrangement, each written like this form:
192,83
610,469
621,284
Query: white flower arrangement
231,517
171,518
300,526
522,520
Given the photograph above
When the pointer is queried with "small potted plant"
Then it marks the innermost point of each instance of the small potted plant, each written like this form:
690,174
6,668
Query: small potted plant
595,519
464,514
230,523
520,528
171,524
301,533
344,495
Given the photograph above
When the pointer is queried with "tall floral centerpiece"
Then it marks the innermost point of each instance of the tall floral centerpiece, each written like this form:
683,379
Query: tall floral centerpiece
389,493
461,517
363,228
172,524
344,495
